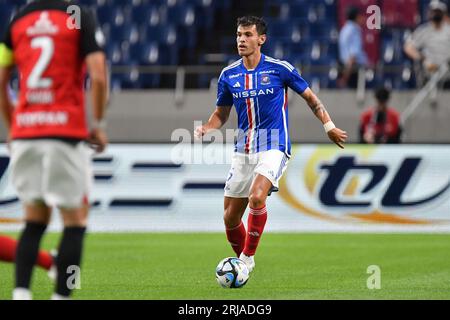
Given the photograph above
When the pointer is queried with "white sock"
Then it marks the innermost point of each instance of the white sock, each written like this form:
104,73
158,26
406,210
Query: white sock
21,294
56,296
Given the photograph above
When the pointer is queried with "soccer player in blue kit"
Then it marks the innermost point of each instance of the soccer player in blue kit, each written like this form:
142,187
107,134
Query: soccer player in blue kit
257,86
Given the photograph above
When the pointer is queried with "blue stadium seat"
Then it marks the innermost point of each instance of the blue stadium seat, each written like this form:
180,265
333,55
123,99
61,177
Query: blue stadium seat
204,17
323,31
128,32
408,76
114,53
156,3
223,4
169,54
157,32
154,53
187,36
388,52
126,80
6,12
392,47
399,76
147,54
423,7
290,31
105,13
87,2
277,50
181,15
146,15
300,51
16,3
322,78
164,34
228,44
300,10
326,10
279,29
115,15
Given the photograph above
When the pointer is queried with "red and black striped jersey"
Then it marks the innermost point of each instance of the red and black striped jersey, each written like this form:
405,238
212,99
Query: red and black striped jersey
50,40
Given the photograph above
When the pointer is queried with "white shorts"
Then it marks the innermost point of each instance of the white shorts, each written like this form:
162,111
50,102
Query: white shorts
244,168
52,171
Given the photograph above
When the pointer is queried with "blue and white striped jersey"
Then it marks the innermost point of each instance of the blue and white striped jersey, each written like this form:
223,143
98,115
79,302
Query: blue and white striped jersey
260,99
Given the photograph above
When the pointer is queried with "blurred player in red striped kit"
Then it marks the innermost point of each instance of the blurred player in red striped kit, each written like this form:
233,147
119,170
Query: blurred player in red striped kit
50,159
8,248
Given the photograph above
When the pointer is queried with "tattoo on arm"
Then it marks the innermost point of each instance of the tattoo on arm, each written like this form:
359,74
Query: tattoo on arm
317,107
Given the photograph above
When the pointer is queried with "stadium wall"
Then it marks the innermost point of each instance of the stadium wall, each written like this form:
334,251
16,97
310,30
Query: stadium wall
152,116
173,188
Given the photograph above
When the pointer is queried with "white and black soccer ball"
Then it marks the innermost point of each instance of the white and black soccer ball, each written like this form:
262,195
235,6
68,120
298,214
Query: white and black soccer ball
232,273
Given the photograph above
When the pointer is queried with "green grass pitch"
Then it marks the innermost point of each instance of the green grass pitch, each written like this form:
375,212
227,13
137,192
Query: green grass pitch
288,266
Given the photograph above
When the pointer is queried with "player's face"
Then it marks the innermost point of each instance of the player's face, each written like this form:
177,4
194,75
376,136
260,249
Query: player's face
248,40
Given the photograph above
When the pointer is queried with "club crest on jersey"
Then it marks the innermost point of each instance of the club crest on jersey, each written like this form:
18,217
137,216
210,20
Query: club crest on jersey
42,26
265,80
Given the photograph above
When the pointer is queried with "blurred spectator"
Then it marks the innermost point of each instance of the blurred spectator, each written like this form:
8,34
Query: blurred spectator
429,44
380,124
351,51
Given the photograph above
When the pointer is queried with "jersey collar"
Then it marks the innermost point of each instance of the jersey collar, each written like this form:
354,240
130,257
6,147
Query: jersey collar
261,61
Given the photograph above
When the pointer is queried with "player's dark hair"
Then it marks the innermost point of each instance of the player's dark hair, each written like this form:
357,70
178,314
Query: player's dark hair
352,13
382,95
248,21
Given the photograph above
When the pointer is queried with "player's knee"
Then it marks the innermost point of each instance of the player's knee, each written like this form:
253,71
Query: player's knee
37,211
257,199
74,217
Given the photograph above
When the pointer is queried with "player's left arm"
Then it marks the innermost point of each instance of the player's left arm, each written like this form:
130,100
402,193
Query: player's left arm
293,80
336,135
92,50
6,67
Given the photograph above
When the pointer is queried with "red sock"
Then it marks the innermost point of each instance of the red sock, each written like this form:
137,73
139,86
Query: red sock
8,253
236,237
256,222
44,260
7,249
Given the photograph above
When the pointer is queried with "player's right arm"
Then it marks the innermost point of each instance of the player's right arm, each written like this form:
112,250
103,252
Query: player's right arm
220,116
216,121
